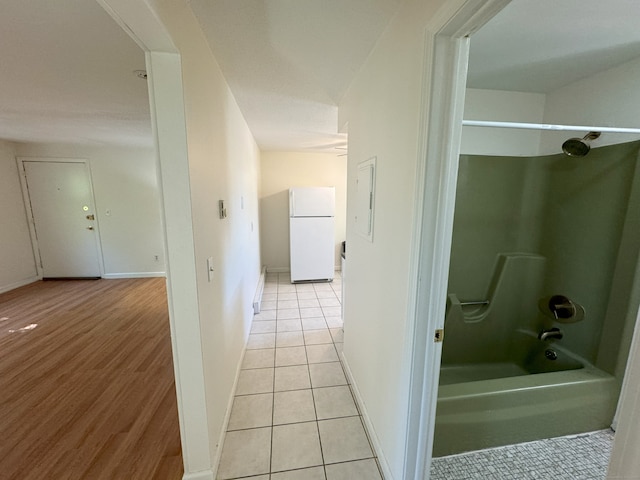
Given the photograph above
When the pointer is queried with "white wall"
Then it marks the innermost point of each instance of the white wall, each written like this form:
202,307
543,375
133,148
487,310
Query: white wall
17,264
223,163
383,105
281,170
125,184
502,106
610,98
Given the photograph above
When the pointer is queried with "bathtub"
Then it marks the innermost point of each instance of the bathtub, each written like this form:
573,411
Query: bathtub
522,398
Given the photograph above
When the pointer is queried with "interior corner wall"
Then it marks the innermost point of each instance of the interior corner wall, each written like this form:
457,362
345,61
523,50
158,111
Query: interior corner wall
609,98
384,104
223,165
125,187
17,263
282,170
502,106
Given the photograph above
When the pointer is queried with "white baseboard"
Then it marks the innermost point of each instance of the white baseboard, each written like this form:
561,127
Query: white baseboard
134,275
371,432
278,269
21,283
257,299
202,475
227,415
287,269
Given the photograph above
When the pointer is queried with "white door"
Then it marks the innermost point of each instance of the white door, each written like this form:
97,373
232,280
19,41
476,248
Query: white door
64,218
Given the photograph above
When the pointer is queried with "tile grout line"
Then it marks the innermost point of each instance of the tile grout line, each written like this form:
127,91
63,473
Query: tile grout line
305,345
315,412
313,399
364,427
273,392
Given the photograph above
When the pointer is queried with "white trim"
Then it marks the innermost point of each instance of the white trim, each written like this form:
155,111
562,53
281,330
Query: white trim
278,270
336,268
444,83
257,299
141,23
202,475
439,139
227,415
166,98
28,213
544,126
111,276
21,283
370,430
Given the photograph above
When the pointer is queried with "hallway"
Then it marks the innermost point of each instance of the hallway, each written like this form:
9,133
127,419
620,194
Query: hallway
294,416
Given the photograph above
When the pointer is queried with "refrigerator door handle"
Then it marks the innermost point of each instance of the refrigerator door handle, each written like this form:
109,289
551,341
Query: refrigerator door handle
291,203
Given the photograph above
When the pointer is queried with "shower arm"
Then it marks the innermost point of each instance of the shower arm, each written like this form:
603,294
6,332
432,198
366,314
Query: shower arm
542,126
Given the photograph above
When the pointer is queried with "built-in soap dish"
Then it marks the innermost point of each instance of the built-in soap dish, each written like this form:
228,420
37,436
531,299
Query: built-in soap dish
561,309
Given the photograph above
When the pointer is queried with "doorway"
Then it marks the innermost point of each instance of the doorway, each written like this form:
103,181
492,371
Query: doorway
60,206
445,122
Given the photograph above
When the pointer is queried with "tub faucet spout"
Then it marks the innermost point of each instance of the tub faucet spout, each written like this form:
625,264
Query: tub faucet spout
551,333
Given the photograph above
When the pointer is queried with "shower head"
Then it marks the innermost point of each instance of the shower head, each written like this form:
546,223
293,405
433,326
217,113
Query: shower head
579,147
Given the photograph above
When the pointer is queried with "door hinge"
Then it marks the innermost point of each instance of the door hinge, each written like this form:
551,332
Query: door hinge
439,336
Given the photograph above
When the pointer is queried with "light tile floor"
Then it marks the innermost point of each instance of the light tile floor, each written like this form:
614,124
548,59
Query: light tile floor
575,457
294,415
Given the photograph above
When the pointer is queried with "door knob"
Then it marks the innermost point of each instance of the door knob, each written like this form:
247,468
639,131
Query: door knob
89,228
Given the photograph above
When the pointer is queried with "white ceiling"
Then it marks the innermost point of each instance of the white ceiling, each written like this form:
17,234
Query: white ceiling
540,45
289,62
66,76
67,67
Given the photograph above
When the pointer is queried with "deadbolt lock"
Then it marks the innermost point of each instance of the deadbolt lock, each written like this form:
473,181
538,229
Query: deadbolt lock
91,217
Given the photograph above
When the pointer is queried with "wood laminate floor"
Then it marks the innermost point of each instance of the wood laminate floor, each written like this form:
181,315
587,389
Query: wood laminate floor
86,382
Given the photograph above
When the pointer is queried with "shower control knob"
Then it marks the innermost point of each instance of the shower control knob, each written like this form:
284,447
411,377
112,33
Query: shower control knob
551,354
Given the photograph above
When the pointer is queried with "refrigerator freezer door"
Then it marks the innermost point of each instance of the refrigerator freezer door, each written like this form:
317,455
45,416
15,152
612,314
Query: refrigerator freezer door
311,241
312,202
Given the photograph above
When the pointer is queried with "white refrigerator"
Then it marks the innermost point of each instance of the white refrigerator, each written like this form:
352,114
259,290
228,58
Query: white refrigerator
311,233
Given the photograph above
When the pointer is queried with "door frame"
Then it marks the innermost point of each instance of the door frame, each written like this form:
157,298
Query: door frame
168,122
20,161
446,53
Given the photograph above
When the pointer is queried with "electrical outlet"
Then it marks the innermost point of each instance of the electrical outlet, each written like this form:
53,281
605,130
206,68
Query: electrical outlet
156,258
